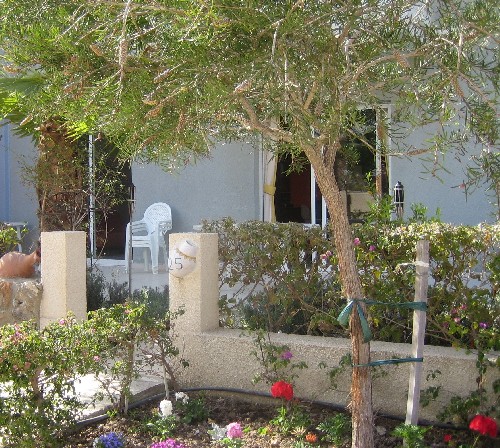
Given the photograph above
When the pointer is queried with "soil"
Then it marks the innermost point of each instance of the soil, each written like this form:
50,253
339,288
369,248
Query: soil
254,415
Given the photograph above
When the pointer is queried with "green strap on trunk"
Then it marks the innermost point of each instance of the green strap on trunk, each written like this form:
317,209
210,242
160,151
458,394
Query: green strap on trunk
388,361
343,318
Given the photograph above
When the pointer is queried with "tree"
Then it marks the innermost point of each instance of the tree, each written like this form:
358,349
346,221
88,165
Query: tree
164,80
62,178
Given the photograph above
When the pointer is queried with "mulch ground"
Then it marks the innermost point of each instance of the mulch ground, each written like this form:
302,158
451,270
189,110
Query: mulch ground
254,415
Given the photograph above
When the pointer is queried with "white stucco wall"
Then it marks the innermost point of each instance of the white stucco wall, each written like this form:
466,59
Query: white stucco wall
441,190
226,184
17,199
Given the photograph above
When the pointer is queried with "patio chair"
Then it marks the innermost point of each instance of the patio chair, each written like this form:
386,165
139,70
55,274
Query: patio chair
149,233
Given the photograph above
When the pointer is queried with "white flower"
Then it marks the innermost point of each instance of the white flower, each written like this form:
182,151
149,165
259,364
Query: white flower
166,408
217,433
181,396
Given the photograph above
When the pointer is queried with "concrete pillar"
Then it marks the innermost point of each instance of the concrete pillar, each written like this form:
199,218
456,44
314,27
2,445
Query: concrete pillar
63,269
197,292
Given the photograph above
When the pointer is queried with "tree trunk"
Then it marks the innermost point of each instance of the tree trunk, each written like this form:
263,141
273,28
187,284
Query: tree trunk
361,387
59,179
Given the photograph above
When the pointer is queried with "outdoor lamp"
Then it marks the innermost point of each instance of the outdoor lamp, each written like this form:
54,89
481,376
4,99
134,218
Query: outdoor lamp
399,199
182,260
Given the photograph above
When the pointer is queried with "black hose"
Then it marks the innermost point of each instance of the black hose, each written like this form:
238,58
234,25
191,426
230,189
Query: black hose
326,404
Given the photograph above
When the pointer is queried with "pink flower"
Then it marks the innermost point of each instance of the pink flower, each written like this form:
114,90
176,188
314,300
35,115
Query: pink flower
282,389
357,241
62,322
371,248
286,355
326,255
96,358
234,430
484,425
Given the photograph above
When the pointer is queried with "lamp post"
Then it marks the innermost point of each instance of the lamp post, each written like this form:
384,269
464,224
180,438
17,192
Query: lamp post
399,199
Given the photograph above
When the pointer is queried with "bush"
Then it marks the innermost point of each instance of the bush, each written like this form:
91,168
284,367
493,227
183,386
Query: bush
283,283
278,285
37,374
103,294
38,368
8,239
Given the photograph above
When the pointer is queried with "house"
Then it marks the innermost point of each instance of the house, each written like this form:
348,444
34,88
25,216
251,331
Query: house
241,180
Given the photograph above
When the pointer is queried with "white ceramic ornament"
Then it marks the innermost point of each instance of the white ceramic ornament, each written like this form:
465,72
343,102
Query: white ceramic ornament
182,260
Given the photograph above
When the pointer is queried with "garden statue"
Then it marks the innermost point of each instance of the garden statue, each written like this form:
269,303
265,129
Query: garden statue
17,264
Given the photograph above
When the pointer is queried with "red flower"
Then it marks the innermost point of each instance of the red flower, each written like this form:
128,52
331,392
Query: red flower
484,425
447,438
311,437
282,389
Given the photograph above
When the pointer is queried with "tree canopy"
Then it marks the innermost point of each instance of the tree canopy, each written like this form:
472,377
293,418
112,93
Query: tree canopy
165,79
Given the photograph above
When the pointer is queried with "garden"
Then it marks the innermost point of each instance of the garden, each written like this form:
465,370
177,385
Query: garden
284,279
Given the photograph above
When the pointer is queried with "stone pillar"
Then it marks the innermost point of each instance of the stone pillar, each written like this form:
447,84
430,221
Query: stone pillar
197,292
63,269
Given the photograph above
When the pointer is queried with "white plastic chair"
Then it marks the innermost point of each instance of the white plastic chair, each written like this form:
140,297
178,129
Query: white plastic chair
149,233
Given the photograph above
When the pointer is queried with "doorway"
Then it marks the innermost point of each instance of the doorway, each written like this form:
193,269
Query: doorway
114,179
361,169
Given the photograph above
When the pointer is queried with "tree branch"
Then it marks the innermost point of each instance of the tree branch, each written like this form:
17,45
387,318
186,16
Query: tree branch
254,123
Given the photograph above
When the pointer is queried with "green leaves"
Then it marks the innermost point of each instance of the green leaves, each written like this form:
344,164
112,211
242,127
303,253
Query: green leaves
286,286
38,369
309,59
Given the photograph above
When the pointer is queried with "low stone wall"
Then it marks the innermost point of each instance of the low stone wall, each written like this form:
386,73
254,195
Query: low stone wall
63,270
20,299
222,358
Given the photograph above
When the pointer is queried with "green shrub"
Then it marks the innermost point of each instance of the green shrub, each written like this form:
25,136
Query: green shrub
37,376
104,294
283,283
38,368
278,286
8,239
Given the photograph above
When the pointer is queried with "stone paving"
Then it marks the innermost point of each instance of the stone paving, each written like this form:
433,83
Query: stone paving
86,387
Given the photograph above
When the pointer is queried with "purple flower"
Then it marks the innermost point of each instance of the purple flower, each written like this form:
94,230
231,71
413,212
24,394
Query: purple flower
483,325
371,248
169,443
286,355
234,430
109,440
357,241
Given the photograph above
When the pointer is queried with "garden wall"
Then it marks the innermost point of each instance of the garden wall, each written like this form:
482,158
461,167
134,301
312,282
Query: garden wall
222,358
19,300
